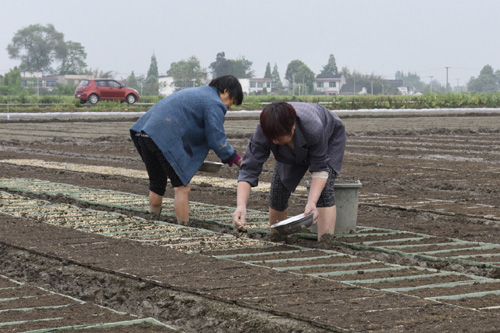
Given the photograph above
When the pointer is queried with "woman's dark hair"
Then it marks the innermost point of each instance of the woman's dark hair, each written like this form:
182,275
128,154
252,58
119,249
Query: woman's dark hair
277,119
231,84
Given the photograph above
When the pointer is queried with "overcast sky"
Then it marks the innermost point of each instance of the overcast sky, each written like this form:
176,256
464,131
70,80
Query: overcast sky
369,36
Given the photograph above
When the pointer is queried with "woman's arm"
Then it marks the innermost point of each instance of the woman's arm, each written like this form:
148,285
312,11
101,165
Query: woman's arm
239,215
317,186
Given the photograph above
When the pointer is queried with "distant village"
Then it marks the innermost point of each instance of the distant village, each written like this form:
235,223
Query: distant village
323,84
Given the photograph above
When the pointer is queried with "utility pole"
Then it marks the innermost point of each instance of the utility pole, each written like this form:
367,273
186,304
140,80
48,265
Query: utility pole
447,78
430,83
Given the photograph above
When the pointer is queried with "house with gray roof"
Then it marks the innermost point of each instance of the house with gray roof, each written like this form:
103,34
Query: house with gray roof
329,84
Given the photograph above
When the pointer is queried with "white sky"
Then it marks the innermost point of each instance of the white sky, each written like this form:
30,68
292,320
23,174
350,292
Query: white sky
369,36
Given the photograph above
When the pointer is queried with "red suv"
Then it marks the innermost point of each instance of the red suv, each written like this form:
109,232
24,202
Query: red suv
95,90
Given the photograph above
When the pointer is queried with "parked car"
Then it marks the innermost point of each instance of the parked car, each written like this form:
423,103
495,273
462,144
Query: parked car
95,90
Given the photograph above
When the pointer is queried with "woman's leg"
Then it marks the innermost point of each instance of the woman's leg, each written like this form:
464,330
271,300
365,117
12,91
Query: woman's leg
155,201
275,216
326,220
157,177
278,199
327,209
181,203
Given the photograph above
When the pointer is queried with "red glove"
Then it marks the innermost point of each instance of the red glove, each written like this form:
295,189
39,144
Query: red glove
236,160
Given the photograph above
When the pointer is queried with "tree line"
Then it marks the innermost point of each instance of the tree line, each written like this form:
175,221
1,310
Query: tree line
43,48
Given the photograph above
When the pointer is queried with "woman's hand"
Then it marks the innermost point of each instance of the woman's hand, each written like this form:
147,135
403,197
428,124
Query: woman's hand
317,186
236,160
240,214
239,217
311,209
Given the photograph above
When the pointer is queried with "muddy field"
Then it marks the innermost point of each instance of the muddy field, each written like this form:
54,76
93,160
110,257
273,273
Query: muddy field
423,173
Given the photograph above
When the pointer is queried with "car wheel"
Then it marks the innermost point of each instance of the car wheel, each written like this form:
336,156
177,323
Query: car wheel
93,99
131,99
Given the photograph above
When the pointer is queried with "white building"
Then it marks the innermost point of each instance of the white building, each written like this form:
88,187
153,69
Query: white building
166,85
31,78
37,79
73,79
256,85
329,84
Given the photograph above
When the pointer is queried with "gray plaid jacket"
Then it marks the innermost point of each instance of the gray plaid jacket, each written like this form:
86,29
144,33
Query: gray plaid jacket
319,142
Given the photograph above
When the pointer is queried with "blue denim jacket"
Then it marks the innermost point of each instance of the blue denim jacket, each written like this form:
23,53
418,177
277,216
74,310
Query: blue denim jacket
319,140
185,126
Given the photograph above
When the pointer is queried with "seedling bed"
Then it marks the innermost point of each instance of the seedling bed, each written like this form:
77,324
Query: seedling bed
340,260
487,302
437,278
354,275
249,250
468,287
326,264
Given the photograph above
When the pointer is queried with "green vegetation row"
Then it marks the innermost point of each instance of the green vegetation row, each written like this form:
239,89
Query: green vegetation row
255,102
427,101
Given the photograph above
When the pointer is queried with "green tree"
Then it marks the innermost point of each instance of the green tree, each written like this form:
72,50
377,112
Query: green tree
97,73
304,77
434,86
331,67
12,82
132,82
298,74
187,73
276,83
153,67
242,68
221,65
411,80
268,74
374,84
151,87
485,82
291,70
74,62
141,79
37,46
62,89
346,72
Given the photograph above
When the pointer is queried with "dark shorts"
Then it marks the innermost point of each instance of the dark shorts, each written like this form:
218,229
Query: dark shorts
159,170
279,194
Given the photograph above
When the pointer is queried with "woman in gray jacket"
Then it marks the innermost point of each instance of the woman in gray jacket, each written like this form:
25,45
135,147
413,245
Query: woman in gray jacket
302,136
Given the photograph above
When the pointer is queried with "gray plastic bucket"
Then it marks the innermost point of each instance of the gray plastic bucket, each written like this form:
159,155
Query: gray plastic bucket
346,198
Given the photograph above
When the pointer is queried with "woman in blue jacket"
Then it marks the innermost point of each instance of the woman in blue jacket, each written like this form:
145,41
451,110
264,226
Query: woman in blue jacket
302,137
176,134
